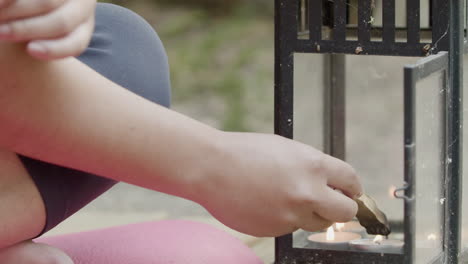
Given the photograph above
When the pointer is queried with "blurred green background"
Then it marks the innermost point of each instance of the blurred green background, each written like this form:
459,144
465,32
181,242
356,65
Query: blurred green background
221,58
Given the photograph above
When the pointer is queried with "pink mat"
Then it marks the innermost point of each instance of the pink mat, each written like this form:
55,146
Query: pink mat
162,242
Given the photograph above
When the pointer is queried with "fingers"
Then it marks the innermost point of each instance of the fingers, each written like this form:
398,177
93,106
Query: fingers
336,206
71,45
342,176
315,223
56,28
55,24
28,8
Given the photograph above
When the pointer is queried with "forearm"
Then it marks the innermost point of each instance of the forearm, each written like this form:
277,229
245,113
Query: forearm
65,113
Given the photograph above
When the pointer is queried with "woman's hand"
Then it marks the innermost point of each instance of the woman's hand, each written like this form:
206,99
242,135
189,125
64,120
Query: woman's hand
266,185
52,28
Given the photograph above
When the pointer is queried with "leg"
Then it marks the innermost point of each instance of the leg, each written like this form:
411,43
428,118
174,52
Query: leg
145,74
29,188
178,242
63,112
22,216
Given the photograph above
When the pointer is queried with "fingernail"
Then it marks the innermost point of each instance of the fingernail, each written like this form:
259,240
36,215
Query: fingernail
37,47
5,30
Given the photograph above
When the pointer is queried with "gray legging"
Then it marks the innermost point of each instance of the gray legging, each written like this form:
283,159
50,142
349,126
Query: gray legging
126,50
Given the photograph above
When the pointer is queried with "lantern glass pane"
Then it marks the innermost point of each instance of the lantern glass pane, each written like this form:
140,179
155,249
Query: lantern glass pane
374,114
308,99
430,161
309,83
375,128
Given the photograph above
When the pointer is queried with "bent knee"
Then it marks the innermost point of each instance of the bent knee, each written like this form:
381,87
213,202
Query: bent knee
127,50
22,211
207,244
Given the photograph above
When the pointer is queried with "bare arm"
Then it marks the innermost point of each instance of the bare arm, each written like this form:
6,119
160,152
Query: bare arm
65,113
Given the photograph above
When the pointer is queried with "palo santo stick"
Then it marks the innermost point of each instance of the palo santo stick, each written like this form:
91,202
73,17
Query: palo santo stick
371,217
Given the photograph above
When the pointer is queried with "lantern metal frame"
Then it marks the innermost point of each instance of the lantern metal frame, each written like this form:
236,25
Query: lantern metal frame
445,54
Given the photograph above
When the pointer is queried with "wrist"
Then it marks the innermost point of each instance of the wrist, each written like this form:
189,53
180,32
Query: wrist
206,170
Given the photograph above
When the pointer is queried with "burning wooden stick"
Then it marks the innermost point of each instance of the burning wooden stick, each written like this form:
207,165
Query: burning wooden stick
371,217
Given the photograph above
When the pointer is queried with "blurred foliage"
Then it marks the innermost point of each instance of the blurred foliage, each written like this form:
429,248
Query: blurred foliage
215,7
223,6
221,65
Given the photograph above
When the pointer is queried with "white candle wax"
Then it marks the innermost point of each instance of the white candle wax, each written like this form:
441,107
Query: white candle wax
389,246
339,241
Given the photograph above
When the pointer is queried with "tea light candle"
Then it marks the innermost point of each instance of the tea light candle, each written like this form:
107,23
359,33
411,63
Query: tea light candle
352,226
378,244
332,240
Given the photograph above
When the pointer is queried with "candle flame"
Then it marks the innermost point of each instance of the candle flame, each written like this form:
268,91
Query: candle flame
378,239
432,237
391,192
330,234
339,226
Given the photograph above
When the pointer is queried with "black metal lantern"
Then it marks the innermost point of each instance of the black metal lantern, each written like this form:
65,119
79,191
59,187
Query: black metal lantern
341,28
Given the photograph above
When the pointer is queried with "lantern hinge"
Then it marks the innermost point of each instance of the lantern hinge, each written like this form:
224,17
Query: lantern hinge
397,192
